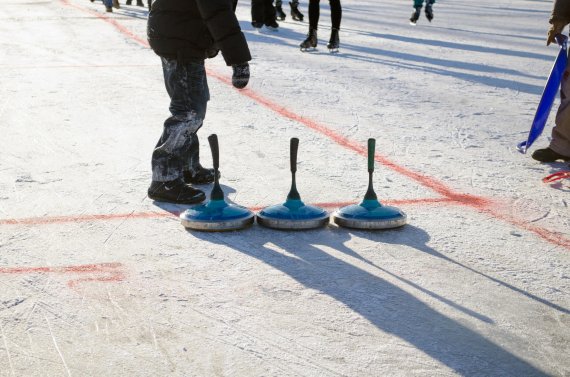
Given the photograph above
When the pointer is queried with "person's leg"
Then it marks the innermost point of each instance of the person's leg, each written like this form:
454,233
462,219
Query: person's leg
269,14
336,13
561,132
559,148
418,4
314,13
108,5
257,13
429,9
176,149
279,14
311,40
295,13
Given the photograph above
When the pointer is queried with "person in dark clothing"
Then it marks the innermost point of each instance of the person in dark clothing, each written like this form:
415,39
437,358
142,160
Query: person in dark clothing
263,13
314,13
184,33
559,148
418,4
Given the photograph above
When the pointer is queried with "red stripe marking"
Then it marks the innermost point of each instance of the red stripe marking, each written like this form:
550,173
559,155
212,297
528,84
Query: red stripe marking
146,215
84,268
103,272
478,203
111,21
82,218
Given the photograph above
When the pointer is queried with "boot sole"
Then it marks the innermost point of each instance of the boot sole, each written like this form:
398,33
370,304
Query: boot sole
195,199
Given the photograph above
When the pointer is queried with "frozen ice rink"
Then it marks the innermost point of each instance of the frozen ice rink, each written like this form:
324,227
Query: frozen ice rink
98,280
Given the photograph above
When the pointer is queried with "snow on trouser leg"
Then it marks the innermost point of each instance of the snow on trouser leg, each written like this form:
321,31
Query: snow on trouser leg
189,94
175,147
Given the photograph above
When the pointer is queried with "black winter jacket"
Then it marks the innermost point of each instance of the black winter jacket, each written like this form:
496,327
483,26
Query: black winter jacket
196,29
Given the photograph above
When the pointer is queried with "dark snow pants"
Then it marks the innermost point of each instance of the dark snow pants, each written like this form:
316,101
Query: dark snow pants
262,11
314,13
419,3
177,149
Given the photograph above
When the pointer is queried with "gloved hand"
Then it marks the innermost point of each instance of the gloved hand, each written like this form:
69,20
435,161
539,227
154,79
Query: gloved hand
555,29
240,77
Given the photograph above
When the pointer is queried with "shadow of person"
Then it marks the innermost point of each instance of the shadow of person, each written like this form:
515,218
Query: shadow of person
418,239
389,308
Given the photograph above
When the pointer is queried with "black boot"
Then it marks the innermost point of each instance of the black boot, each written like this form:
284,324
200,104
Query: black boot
140,3
429,12
200,176
295,14
175,191
548,155
334,42
415,15
272,25
310,41
279,13
129,2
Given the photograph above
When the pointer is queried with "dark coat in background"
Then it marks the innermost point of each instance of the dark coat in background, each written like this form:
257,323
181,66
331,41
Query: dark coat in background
196,29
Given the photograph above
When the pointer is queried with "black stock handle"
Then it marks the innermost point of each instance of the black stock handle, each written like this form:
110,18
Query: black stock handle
213,140
371,152
294,148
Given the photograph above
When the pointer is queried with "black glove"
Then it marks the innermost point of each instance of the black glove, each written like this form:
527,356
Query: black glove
240,78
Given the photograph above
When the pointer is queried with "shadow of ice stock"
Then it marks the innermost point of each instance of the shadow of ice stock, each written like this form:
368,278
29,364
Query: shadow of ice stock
385,305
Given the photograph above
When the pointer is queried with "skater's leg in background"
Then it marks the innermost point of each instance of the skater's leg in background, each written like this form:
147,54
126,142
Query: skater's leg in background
336,13
314,13
279,13
418,4
268,12
257,11
429,9
189,94
561,132
295,13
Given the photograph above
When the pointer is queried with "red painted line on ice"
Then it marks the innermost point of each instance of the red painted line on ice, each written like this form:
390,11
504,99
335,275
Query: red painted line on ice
46,220
81,218
107,19
480,204
103,272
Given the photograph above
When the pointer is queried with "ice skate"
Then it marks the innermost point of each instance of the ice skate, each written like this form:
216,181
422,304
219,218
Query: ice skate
334,42
279,13
310,41
415,16
272,25
295,13
429,12
257,25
